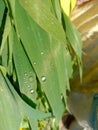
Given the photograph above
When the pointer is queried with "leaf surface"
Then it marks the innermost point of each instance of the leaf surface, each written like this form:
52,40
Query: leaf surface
44,57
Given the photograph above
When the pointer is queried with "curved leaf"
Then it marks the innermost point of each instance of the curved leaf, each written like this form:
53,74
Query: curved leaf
9,112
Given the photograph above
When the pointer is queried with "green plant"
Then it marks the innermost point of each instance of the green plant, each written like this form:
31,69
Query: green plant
39,46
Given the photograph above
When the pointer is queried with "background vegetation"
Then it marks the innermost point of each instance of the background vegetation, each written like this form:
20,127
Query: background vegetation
39,51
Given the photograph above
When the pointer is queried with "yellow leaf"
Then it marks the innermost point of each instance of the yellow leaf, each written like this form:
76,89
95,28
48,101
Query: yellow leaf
24,124
3,69
67,6
73,4
22,129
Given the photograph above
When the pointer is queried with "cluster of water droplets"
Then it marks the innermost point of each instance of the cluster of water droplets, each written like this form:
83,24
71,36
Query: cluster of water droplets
43,78
28,81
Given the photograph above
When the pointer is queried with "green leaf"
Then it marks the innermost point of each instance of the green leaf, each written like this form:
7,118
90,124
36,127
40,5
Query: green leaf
25,109
44,58
57,9
3,69
74,40
2,7
9,112
10,51
15,108
73,36
6,32
25,72
5,55
35,57
44,18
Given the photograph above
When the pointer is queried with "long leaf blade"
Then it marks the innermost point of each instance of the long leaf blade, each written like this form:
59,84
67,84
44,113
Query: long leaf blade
44,18
25,72
9,112
41,58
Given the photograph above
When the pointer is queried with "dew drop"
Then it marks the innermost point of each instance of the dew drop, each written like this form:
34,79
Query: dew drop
25,74
34,63
30,78
13,21
32,91
43,78
28,86
24,78
18,36
42,53
1,89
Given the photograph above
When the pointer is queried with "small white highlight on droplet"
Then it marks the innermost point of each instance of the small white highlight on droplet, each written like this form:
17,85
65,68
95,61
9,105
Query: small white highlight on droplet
32,91
43,78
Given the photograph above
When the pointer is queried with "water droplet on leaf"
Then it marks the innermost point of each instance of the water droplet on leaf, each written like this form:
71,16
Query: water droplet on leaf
34,63
28,86
31,78
32,91
25,74
42,53
43,78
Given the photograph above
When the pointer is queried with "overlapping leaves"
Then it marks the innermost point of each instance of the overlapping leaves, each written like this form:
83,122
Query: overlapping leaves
37,60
